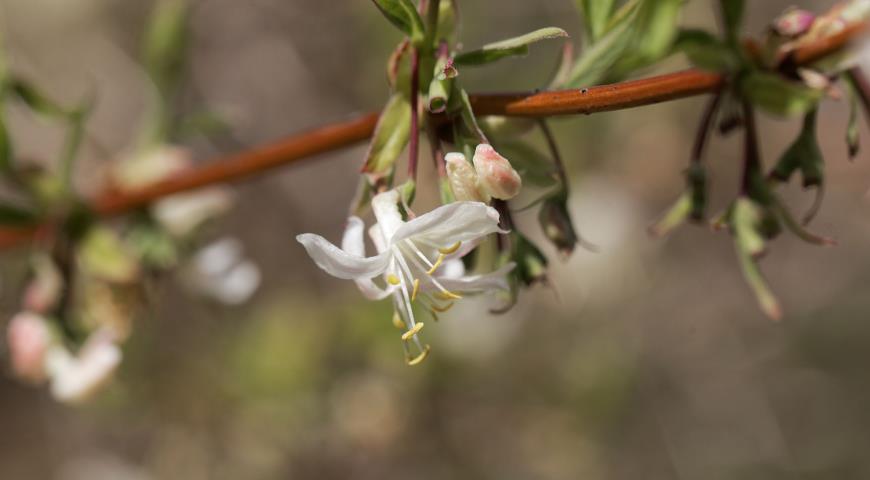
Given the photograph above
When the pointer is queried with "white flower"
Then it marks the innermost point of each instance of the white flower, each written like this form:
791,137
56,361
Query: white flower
76,378
221,271
419,260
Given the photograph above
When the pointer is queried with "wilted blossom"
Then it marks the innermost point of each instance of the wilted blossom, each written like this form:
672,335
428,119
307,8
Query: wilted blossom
492,176
75,378
418,260
29,338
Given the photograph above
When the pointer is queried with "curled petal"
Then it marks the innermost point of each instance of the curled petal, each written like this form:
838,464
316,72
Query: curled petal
448,224
496,280
339,263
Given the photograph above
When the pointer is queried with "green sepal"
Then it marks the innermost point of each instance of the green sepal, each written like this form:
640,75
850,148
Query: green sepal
390,137
778,95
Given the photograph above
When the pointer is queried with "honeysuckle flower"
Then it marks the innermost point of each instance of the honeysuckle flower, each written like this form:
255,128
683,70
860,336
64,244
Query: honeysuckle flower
221,271
418,260
29,338
75,378
495,174
181,214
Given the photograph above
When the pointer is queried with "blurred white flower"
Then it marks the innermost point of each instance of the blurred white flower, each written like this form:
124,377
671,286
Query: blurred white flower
181,214
221,272
29,338
409,257
75,378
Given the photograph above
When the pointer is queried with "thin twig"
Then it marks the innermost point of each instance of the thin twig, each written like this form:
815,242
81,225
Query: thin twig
335,136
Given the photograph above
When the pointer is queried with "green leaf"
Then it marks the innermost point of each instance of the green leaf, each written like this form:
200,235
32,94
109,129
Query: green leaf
755,279
705,51
778,95
165,42
655,30
390,136
804,154
674,217
517,46
852,131
6,164
15,216
34,99
596,15
403,14
732,16
596,62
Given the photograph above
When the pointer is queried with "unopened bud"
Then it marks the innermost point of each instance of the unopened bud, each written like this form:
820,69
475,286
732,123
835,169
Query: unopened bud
44,290
495,174
29,338
794,22
463,178
557,225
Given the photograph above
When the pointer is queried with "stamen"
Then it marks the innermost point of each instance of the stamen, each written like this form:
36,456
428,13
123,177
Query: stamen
397,321
434,315
413,331
447,295
416,289
441,309
436,265
450,249
393,280
419,358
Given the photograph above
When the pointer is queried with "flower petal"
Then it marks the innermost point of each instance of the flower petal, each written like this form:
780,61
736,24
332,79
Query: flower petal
451,223
339,263
496,280
352,242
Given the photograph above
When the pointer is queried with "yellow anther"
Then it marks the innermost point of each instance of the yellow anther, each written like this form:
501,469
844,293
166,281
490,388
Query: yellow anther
447,295
450,249
441,309
413,331
436,265
393,280
416,289
398,322
419,358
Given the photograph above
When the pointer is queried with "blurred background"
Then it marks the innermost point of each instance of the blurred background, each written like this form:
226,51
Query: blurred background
648,359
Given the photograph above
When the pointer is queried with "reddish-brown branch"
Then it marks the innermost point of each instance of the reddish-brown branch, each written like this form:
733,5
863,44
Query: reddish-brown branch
335,136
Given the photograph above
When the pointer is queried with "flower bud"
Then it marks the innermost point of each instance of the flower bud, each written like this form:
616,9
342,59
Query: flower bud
463,178
29,338
557,225
495,174
794,22
44,290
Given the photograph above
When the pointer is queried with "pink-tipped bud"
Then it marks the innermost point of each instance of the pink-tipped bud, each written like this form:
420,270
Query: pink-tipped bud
44,290
29,338
794,22
463,179
495,175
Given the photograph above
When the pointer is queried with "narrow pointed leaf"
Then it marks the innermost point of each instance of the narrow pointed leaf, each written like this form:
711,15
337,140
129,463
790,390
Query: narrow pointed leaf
517,46
390,136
